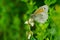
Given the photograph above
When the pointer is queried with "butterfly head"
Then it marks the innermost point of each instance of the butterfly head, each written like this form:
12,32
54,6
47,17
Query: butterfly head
45,8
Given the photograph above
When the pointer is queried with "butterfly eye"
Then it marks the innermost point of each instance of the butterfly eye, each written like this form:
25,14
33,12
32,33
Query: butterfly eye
44,8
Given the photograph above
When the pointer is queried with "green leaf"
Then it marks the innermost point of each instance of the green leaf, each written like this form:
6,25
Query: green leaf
49,2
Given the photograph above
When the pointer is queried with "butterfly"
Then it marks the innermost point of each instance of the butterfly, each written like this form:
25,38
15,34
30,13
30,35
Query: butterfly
40,15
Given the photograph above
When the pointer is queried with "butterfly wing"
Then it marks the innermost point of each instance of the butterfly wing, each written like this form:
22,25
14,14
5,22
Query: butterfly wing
40,15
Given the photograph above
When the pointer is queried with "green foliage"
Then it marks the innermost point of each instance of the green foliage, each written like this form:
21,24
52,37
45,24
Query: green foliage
49,2
14,13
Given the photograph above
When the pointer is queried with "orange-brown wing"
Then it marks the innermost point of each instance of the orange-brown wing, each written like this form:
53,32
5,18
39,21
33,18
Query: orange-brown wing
38,11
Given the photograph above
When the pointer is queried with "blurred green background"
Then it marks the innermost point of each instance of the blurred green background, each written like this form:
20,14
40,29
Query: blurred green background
13,14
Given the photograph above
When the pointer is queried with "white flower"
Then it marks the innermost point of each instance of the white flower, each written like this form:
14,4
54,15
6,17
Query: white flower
30,22
29,36
26,22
